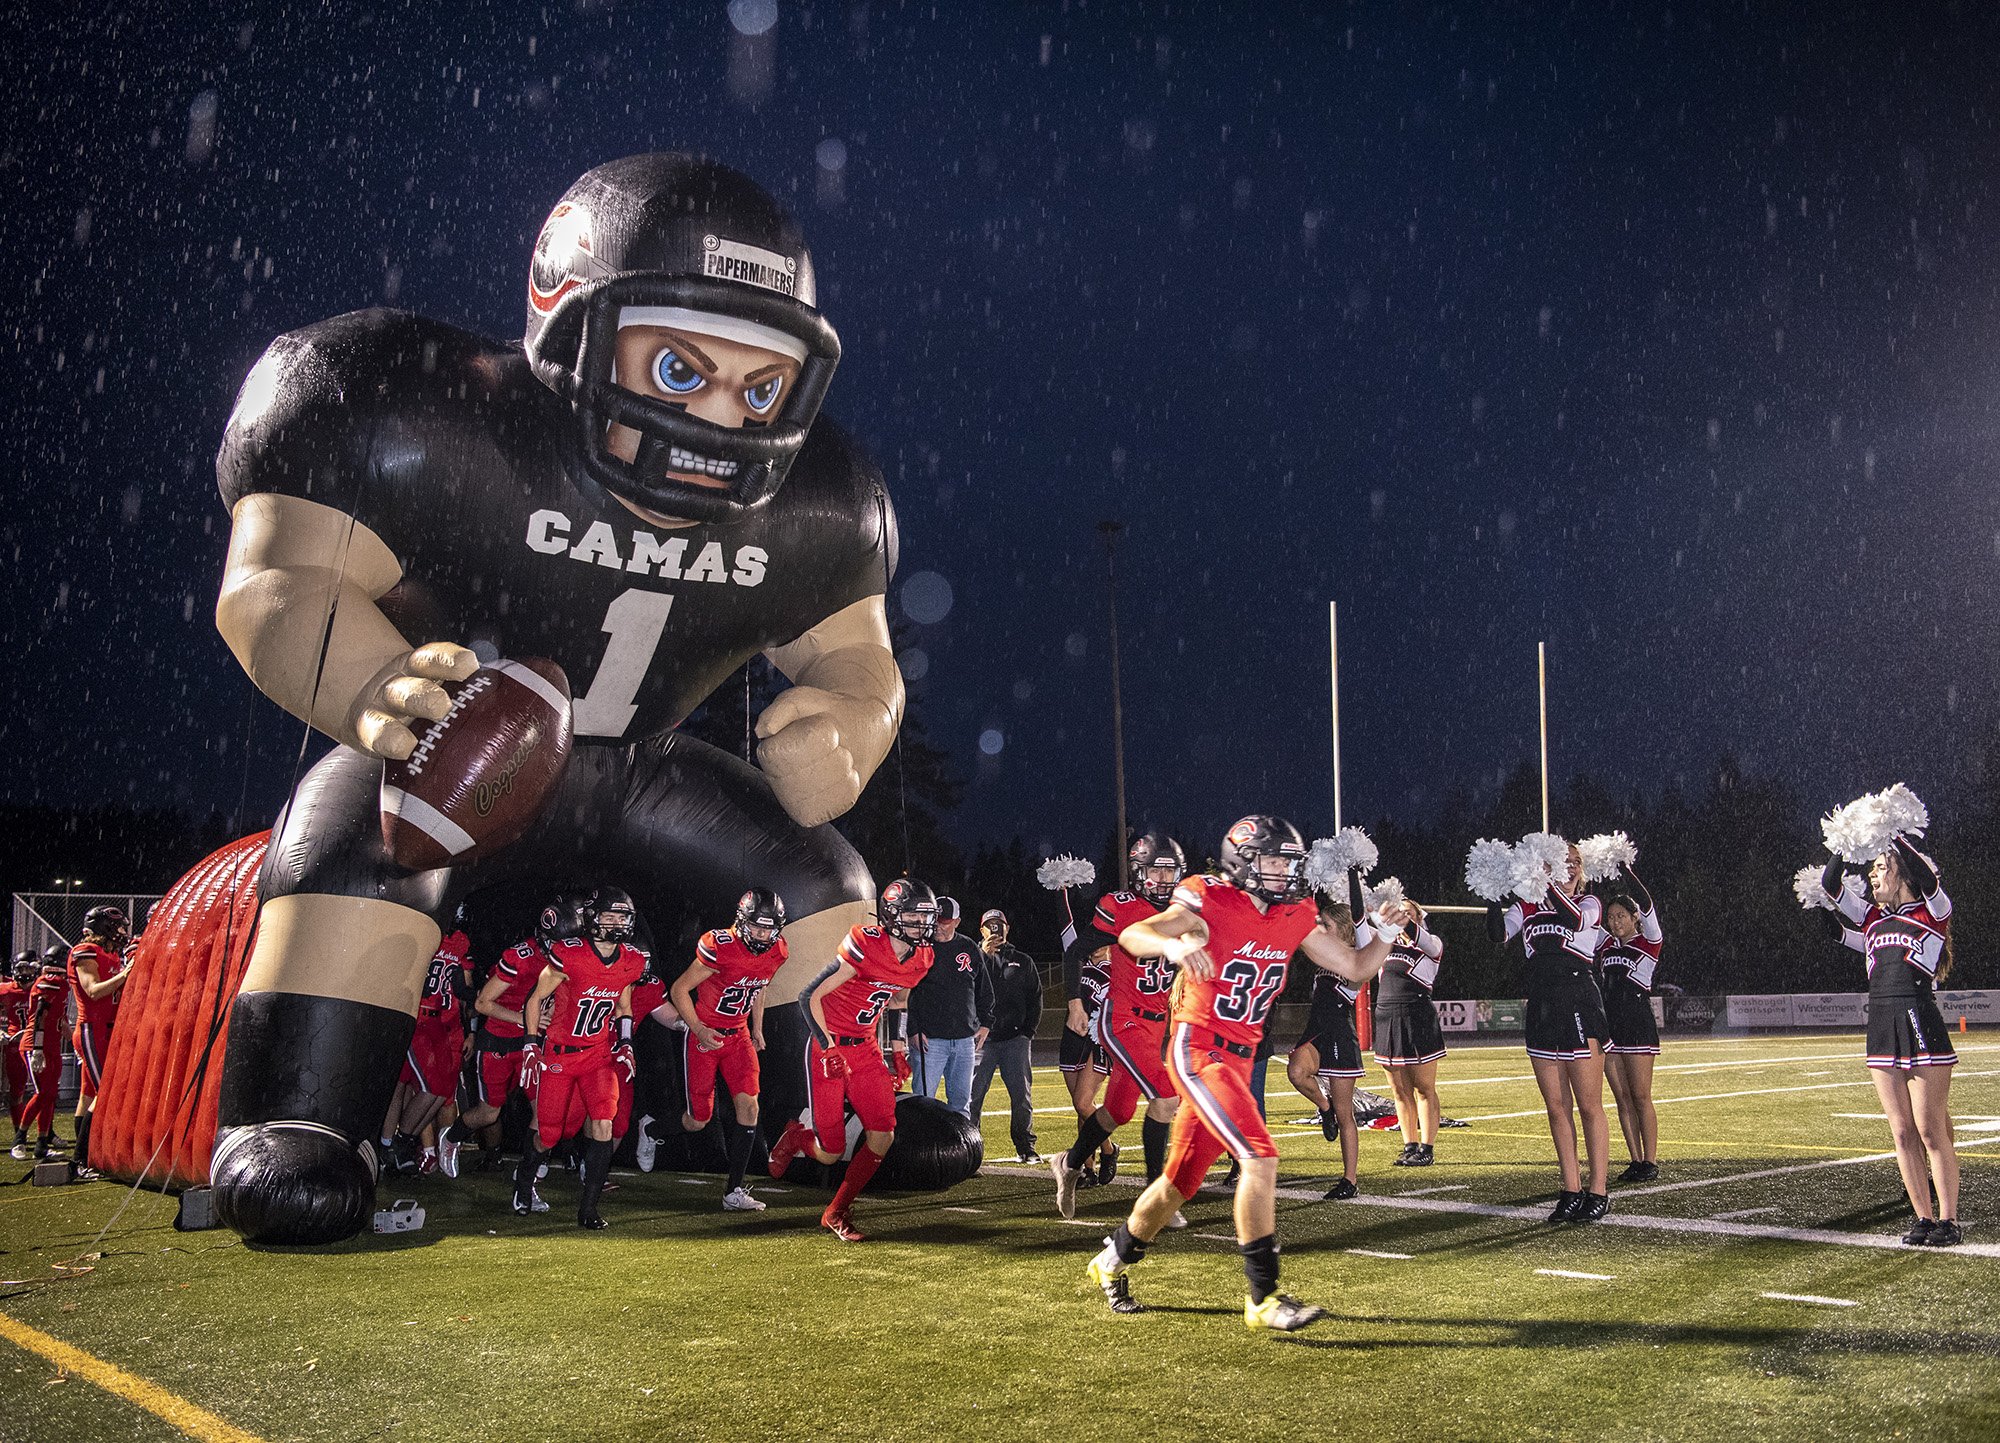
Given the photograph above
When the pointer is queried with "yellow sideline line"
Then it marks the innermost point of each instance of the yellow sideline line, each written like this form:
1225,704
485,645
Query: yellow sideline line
193,1421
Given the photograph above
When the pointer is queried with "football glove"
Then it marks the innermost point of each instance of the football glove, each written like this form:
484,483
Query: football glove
621,1058
35,1060
531,1059
832,1065
899,1063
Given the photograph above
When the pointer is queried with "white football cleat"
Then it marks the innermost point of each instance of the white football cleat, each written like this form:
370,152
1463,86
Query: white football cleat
738,1200
447,1155
1177,1221
647,1147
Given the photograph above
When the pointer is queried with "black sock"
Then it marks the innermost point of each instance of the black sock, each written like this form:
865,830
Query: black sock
1260,1266
1089,1133
742,1137
596,1167
1153,1136
1128,1248
458,1132
83,1140
524,1175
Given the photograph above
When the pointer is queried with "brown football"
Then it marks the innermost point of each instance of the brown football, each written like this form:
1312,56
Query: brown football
482,774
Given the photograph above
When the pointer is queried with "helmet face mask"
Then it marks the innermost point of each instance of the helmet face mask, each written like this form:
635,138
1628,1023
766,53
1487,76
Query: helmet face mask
610,916
1158,864
760,917
909,911
671,234
1266,857
26,966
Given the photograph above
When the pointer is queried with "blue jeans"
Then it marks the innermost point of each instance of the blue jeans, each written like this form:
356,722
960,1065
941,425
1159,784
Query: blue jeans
947,1060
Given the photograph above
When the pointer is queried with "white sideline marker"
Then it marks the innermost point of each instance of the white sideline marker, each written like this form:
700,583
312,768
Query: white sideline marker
1371,1253
1744,1213
965,1210
1215,1237
1588,1277
1427,1191
1811,1298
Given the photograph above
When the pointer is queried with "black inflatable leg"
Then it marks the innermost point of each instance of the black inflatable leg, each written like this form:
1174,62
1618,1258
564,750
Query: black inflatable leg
305,1083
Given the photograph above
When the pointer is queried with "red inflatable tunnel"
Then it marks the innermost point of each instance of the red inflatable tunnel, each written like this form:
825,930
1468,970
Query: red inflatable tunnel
156,1108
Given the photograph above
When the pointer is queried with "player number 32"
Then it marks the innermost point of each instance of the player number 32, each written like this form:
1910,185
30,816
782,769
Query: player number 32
1244,992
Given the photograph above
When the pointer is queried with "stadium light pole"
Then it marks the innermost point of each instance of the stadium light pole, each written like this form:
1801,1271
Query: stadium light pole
1111,530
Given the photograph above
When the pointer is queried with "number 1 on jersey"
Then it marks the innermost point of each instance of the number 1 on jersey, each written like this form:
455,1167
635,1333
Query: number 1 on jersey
635,620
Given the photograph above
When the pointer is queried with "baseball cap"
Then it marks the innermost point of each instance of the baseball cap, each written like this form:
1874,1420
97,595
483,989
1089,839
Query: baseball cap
989,914
948,910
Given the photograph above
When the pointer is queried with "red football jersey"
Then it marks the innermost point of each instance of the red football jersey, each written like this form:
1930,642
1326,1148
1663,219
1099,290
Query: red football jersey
646,996
522,966
725,999
444,979
879,974
13,1007
96,1011
578,1013
1136,982
51,994
1250,949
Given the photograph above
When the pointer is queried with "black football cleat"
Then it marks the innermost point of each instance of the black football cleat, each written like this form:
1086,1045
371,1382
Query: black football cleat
1107,1166
591,1220
1343,1190
1422,1156
1594,1206
1944,1233
1403,1158
1919,1232
1567,1204
1329,1126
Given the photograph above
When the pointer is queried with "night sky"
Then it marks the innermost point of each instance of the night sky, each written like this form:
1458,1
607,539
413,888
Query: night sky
1665,335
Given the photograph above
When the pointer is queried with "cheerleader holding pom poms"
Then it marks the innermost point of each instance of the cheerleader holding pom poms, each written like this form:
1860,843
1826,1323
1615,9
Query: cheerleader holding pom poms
1901,922
1325,1063
1559,926
1409,1044
1627,958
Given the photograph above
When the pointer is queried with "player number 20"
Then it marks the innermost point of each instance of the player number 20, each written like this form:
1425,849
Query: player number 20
1244,992
735,1000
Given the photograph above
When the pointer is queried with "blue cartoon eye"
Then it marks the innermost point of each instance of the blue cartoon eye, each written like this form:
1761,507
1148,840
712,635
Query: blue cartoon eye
764,394
675,374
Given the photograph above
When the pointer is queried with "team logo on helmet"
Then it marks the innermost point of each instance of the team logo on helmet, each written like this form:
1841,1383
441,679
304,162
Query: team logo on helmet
1243,831
553,273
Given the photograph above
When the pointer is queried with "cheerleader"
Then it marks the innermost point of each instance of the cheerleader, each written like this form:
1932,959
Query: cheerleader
1626,959
1567,1030
1906,936
1408,1041
1325,1063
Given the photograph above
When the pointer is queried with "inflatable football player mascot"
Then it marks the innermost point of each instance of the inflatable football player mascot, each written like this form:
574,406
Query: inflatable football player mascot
645,493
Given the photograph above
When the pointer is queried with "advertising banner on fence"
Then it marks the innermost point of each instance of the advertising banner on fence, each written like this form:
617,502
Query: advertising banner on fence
1503,1014
1459,1016
1686,1012
1759,1011
1828,1009
1977,1008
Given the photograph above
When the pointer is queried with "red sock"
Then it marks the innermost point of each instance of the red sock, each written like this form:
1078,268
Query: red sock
790,1143
858,1172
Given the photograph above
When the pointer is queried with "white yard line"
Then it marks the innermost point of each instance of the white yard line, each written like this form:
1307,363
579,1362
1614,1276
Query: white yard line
965,1210
1427,1191
1741,1213
1813,1298
1775,1171
1695,1067
1371,1253
1709,1226
1566,1273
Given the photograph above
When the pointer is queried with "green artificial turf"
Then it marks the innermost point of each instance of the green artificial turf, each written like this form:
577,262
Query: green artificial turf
968,1316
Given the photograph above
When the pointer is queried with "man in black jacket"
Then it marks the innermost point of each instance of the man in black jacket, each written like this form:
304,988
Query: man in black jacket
1017,1009
951,1011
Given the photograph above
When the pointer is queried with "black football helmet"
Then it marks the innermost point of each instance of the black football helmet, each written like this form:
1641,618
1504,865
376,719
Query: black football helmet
759,907
1156,849
908,909
1254,838
27,967
107,924
691,240
563,917
609,916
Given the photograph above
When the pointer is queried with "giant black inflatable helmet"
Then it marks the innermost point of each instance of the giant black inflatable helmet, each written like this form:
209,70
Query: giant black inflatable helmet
759,907
908,909
1257,837
1156,849
675,234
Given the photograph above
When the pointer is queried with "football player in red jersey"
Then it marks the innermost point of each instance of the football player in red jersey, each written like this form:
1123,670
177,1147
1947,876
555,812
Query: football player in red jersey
14,995
721,998
96,975
586,1050
1232,936
497,1044
844,1005
1132,1023
41,1047
431,1062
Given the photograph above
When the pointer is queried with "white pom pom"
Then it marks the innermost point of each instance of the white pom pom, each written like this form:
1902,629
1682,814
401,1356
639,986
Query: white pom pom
1810,893
1330,858
1863,830
1386,893
1489,869
1604,854
1539,857
1065,871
